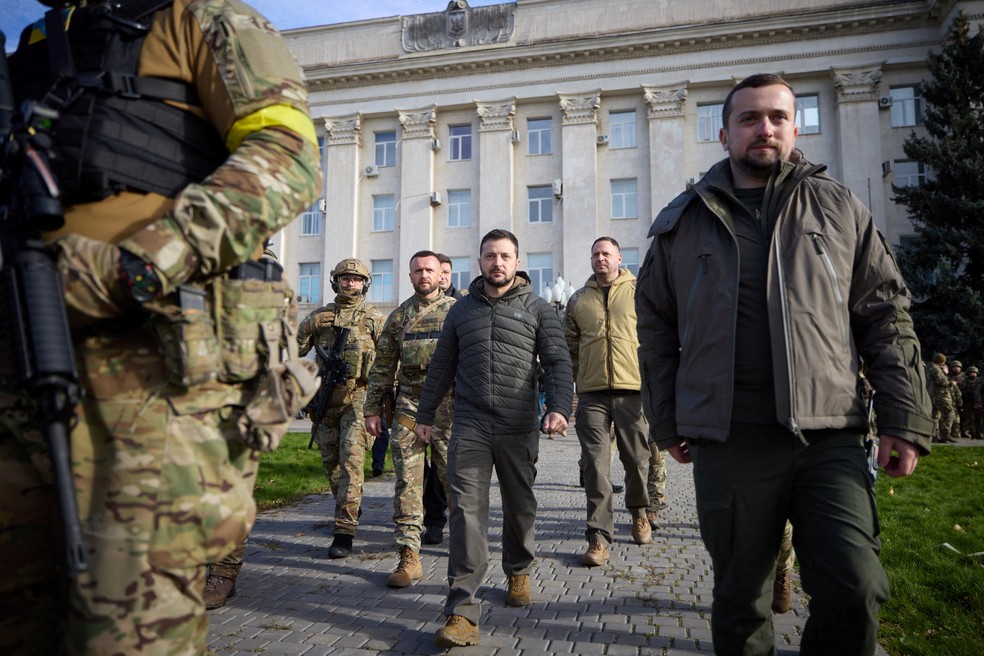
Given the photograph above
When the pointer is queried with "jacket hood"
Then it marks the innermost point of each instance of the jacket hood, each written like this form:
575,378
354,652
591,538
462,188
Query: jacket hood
624,276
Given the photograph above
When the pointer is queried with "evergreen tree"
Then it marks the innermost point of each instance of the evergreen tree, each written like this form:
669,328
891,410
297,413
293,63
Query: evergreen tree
945,267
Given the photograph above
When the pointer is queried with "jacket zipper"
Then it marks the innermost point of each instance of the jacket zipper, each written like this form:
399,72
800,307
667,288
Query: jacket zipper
792,424
832,274
608,336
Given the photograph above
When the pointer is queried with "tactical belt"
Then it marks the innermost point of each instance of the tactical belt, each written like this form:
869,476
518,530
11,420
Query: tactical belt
404,421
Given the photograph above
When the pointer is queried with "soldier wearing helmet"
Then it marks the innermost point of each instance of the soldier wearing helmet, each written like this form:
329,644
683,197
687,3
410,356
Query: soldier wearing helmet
961,399
341,435
974,400
941,390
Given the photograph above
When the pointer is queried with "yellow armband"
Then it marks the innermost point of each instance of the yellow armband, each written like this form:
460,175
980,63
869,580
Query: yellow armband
283,116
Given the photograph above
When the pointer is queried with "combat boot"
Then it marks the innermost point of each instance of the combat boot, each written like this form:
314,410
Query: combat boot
218,589
653,518
433,535
458,631
782,592
642,533
519,591
597,553
341,546
408,571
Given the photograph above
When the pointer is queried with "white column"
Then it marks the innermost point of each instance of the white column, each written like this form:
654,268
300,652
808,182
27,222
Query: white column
579,207
414,214
343,140
667,154
495,165
860,144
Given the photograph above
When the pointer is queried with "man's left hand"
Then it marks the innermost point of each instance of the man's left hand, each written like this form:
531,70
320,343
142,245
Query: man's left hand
896,456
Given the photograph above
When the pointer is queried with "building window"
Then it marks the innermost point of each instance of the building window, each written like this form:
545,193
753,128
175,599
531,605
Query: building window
321,149
309,283
461,142
630,260
622,129
459,208
808,114
906,107
383,211
461,272
540,268
539,136
624,197
541,204
385,148
312,220
709,122
381,290
909,173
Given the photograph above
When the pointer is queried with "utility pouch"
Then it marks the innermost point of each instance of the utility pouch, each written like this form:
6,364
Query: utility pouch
185,333
281,393
250,321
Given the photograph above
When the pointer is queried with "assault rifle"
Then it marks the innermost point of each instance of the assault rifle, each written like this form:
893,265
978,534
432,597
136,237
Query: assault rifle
334,372
34,328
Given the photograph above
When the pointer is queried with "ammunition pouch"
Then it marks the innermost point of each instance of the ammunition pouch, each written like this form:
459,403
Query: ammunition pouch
237,328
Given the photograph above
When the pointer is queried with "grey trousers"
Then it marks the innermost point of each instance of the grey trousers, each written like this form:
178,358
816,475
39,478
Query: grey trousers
596,412
746,489
472,454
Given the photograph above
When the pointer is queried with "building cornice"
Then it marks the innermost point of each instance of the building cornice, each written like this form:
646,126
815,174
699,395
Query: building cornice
344,129
580,108
418,123
753,34
496,115
665,102
857,84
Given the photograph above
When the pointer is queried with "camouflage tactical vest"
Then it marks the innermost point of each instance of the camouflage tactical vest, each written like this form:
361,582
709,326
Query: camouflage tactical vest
419,337
360,347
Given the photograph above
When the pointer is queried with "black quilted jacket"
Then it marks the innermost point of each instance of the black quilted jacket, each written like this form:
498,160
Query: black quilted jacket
488,350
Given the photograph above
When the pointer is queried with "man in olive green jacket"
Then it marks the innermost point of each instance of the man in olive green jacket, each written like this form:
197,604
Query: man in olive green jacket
600,328
764,287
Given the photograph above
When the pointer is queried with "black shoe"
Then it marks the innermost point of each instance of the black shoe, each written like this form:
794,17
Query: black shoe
377,471
433,535
341,546
618,489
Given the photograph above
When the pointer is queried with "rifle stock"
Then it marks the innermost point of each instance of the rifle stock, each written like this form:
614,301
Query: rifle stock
334,372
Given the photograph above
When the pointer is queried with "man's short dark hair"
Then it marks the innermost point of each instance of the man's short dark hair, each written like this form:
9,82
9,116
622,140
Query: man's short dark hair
444,259
423,254
496,235
751,82
608,239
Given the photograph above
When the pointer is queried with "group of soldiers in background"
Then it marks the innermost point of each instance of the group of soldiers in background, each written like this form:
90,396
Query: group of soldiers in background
958,400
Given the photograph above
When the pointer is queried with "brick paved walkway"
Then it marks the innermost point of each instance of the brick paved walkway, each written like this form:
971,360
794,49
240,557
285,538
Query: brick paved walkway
654,599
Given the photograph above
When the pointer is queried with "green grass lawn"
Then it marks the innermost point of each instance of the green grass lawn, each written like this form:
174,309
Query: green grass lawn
937,605
293,471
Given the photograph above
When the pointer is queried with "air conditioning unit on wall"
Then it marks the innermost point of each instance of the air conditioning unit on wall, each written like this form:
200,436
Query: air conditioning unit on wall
884,102
435,198
603,140
372,171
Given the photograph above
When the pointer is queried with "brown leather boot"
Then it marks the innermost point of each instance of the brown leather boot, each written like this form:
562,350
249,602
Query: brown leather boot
458,631
642,533
408,571
519,591
597,553
218,589
782,592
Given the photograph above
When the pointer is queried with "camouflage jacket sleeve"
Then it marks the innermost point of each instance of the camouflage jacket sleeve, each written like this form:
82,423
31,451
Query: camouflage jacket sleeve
571,332
383,371
252,90
306,332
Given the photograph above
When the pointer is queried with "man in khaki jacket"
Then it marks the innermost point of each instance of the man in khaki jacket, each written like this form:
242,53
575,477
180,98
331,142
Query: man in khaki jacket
601,335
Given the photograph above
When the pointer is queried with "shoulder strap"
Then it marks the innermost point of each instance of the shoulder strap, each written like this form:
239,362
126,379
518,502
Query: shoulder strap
417,318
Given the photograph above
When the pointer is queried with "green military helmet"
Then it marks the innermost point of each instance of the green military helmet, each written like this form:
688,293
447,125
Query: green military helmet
973,370
351,266
956,363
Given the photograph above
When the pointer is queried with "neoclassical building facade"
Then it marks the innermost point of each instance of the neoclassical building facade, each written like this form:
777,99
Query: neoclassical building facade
565,120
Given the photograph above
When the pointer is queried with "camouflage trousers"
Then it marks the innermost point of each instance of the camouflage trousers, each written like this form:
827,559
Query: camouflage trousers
344,441
787,557
656,482
163,487
946,418
409,454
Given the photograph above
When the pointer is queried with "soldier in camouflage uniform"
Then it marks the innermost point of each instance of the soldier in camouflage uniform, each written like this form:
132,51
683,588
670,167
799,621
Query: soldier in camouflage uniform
162,463
961,400
975,402
403,354
342,435
940,389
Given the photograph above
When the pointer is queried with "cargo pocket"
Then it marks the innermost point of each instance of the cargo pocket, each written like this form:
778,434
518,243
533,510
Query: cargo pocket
716,518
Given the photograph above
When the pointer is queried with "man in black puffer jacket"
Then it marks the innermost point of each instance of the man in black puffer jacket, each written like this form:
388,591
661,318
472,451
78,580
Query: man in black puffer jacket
489,348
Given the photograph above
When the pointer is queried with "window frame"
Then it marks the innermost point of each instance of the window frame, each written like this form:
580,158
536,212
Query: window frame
535,272
537,135
620,132
306,282
902,107
383,287
800,115
386,148
539,202
624,196
710,122
460,145
383,215
459,213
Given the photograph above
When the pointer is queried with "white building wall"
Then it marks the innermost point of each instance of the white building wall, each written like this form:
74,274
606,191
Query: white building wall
575,62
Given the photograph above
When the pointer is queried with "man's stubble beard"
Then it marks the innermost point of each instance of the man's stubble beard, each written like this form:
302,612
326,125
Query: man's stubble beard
504,283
